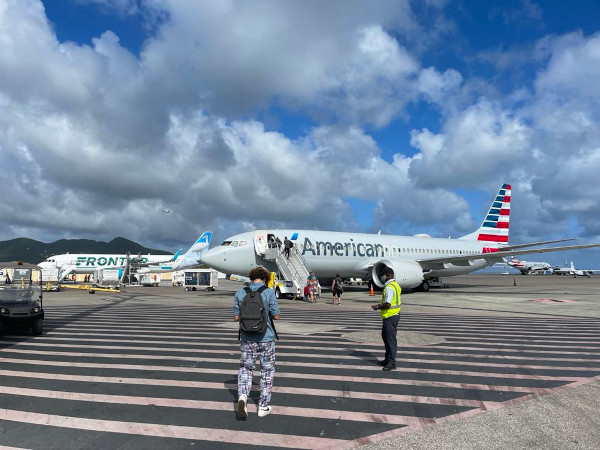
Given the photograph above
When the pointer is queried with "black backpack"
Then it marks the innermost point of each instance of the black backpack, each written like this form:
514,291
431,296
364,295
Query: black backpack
253,316
337,285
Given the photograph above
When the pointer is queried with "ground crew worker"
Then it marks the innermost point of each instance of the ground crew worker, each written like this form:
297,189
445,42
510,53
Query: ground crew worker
390,313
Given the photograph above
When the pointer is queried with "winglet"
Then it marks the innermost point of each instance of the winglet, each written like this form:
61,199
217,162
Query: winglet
176,255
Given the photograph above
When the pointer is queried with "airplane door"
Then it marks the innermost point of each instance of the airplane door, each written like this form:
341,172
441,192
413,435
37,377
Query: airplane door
260,242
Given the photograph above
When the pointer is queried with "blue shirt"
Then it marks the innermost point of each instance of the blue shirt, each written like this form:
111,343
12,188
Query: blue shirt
270,303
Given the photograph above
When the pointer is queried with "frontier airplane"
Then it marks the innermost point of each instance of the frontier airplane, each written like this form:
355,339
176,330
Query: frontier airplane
414,259
89,263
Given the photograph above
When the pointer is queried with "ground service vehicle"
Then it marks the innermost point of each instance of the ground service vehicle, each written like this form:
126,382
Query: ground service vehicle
196,279
21,300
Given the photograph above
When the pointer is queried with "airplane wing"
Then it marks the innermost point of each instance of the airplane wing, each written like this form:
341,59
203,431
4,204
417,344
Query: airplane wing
514,247
156,263
494,257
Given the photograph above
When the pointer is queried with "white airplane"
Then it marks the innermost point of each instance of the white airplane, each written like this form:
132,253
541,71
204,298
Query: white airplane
529,267
571,270
415,260
70,263
189,259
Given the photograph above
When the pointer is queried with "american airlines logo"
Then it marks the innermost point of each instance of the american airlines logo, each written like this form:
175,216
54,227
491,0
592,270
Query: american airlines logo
351,248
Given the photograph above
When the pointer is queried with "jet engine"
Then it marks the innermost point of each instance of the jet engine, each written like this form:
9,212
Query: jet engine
408,274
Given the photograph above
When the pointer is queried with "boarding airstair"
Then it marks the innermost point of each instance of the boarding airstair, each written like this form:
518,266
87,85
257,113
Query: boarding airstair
293,269
130,274
65,271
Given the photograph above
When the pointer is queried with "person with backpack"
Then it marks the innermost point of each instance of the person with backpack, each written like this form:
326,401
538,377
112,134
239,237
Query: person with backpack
287,246
337,289
255,307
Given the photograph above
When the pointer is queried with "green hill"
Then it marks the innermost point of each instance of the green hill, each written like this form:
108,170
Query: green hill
34,252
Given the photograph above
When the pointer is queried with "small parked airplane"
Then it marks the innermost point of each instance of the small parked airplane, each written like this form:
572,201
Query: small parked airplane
414,259
70,263
571,270
529,267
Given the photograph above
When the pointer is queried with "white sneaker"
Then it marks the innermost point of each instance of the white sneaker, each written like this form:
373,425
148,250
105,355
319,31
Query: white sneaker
264,411
242,411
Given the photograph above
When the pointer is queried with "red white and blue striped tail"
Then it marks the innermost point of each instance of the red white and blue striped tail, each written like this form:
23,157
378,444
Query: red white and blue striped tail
495,225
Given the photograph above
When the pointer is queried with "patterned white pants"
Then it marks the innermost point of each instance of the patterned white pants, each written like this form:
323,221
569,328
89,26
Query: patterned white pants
250,352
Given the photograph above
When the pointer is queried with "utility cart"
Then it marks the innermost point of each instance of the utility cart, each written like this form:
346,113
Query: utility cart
196,279
21,299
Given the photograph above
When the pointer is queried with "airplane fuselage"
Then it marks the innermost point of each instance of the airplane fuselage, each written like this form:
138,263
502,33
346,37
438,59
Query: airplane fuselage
526,267
349,254
88,263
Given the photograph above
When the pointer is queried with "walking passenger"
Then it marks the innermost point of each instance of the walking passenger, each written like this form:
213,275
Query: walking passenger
390,313
287,246
257,336
313,286
337,289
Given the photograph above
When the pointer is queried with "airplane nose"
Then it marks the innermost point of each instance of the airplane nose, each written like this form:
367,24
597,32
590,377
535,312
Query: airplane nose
209,257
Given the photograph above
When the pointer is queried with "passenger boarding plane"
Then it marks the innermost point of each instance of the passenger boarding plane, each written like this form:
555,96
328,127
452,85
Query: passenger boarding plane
415,260
90,263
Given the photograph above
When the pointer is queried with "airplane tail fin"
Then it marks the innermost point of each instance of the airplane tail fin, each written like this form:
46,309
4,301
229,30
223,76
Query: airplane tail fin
176,255
494,228
201,243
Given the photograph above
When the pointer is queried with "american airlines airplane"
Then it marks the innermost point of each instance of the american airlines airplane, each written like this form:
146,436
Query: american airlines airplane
414,259
528,267
89,263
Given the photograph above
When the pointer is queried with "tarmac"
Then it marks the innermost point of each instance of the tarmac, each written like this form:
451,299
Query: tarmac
492,362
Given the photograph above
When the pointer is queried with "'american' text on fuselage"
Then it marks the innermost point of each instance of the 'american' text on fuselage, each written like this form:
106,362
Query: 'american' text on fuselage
342,249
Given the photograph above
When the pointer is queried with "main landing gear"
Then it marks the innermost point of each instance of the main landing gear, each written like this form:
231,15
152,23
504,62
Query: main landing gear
424,286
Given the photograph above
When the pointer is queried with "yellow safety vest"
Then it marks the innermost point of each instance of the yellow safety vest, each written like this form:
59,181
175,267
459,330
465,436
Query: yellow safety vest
271,281
394,302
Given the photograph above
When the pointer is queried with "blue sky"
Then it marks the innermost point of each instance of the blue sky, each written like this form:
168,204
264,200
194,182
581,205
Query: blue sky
404,116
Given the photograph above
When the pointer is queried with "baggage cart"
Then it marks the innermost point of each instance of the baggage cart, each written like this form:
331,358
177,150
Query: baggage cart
197,279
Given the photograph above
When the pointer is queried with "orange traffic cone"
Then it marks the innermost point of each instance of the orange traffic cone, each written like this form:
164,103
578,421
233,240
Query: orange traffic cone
371,293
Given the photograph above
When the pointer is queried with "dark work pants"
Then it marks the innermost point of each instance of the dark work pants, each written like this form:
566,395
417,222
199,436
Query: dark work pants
389,329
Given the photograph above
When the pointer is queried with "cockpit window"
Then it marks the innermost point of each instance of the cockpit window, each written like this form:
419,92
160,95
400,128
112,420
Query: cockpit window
242,243
226,243
235,243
